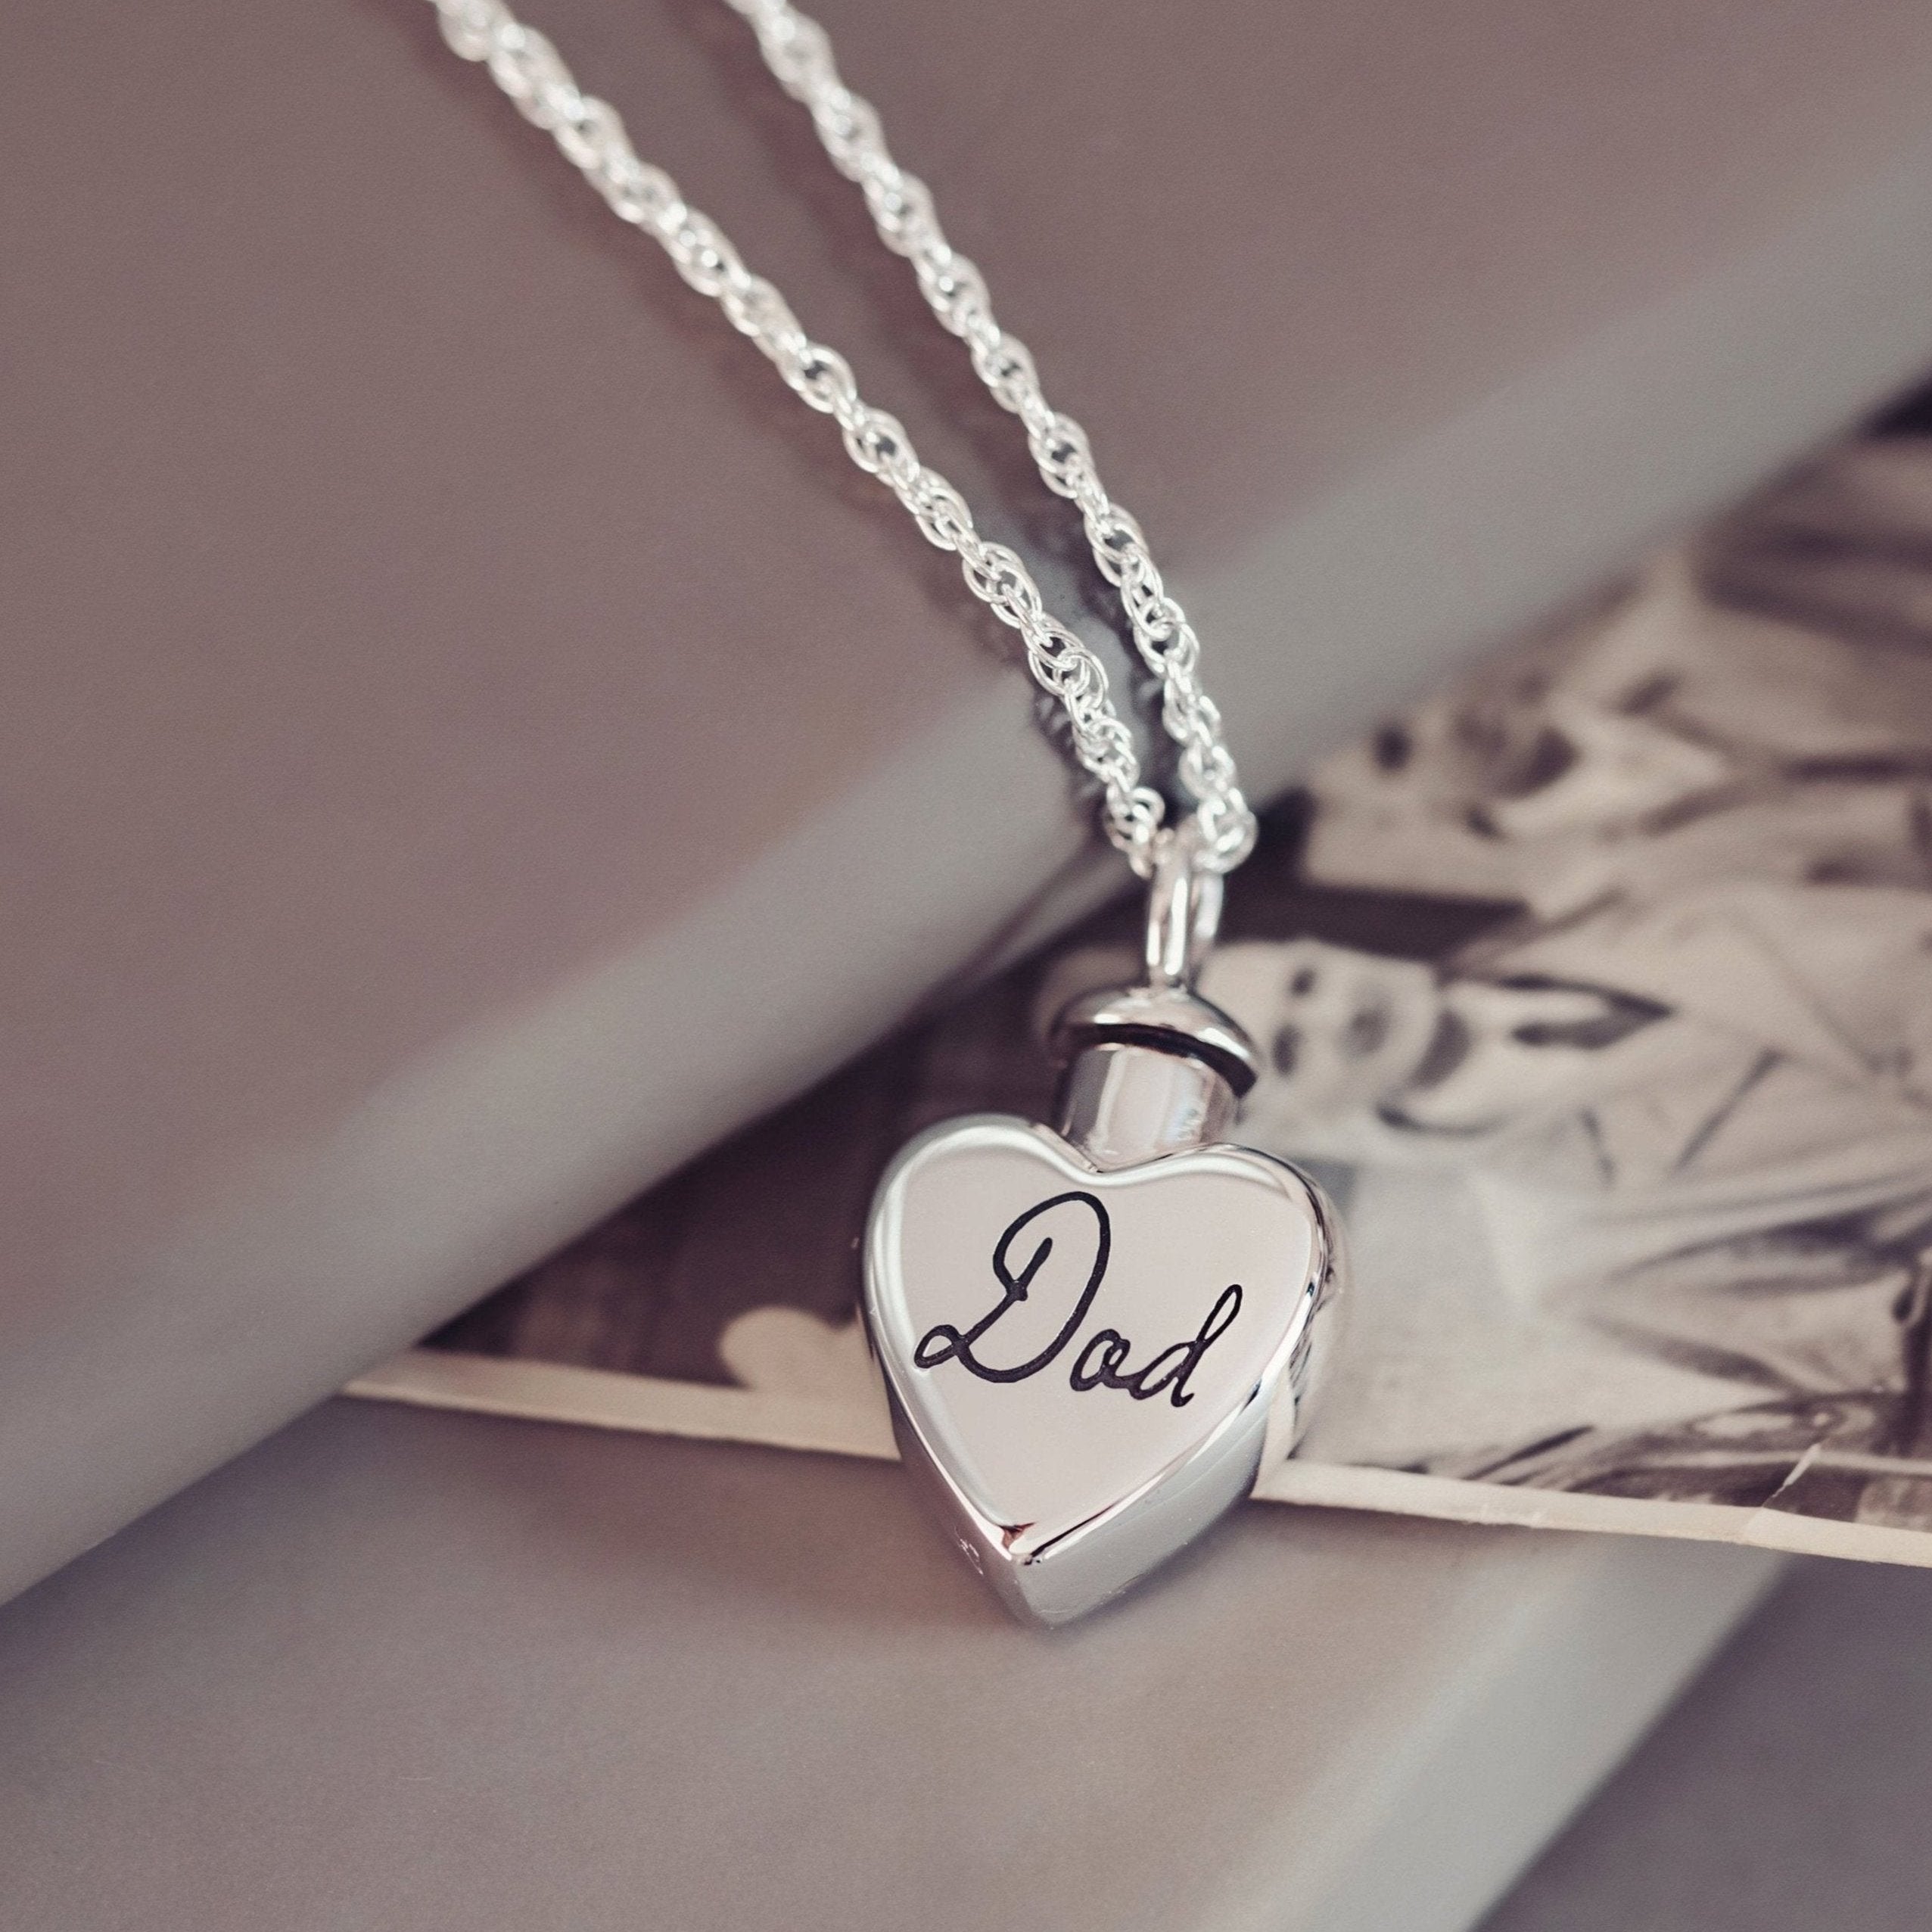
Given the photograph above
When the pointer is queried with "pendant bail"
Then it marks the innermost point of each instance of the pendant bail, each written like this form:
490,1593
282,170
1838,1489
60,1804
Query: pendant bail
1162,1012
1184,908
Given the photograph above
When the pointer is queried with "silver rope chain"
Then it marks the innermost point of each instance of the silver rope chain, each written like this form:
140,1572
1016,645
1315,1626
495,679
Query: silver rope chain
528,68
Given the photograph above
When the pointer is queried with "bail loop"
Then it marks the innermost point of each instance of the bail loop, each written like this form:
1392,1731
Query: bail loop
1163,1012
1184,909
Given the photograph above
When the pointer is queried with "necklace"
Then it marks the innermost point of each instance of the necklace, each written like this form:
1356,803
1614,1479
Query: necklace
1094,1336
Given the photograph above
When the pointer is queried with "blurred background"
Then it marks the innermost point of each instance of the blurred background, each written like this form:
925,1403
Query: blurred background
477,762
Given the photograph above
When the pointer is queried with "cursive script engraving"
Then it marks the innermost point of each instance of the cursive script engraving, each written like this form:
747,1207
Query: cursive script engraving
1102,1362
946,1343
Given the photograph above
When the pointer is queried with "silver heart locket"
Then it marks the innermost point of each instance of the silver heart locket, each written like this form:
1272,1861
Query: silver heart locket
1096,1337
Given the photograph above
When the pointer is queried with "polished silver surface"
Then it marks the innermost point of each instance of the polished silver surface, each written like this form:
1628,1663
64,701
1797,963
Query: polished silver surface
1121,1103
1164,1012
1087,1364
1095,1339
1172,1020
529,70
1184,893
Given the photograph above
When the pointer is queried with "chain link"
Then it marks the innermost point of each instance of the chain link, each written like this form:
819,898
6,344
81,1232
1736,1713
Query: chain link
529,70
798,52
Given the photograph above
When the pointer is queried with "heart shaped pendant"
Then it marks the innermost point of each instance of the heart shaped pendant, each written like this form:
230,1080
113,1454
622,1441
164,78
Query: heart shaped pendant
1089,1366
1095,1339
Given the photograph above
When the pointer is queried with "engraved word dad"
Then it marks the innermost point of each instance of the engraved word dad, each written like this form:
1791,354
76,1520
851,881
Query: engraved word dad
1088,1364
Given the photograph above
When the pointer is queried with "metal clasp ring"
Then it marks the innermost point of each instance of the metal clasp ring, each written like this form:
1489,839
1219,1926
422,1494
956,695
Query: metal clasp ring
1184,908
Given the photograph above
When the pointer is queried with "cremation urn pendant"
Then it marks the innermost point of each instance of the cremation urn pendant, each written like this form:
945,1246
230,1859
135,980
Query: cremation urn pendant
1096,1336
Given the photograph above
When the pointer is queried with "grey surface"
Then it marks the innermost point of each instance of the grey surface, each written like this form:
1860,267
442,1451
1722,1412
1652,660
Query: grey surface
398,1670
1786,1793
387,897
